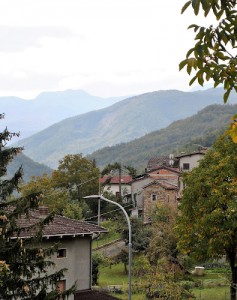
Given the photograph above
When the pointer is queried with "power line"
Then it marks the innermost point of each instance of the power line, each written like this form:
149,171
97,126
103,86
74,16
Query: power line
93,217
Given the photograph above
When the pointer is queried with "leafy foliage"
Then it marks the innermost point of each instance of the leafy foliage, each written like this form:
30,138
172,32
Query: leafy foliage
141,234
214,54
64,190
163,243
207,227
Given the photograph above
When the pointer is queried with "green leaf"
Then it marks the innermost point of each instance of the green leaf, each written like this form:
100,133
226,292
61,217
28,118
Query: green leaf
192,80
196,5
193,26
226,95
189,69
186,5
189,52
182,64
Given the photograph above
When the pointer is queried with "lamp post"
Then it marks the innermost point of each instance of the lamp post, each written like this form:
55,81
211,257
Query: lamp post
100,197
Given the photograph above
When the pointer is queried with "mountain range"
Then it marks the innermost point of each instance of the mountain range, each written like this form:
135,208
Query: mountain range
31,116
121,122
185,135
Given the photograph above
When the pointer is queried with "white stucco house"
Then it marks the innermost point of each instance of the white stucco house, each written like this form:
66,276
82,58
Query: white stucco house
74,253
188,161
112,183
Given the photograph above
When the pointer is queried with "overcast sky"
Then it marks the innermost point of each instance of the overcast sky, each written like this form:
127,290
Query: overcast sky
105,47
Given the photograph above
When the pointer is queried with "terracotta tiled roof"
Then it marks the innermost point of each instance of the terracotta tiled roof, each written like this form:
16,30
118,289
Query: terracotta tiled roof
202,152
60,226
93,295
176,170
115,179
158,161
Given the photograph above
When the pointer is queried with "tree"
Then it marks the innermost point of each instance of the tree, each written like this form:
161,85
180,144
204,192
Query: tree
141,234
55,198
207,227
163,242
78,175
64,190
25,267
214,53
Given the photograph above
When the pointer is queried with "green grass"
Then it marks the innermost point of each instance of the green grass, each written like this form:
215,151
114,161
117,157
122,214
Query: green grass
213,286
214,293
106,237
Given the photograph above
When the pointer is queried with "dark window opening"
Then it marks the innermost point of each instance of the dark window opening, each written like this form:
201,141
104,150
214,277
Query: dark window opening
61,253
186,166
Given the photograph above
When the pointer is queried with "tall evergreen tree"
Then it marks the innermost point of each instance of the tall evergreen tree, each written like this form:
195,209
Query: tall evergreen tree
25,267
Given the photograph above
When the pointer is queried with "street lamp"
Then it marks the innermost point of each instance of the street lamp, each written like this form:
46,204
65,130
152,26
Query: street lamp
100,197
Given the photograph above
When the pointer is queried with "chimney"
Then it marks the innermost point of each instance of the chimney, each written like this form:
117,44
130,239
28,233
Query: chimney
43,210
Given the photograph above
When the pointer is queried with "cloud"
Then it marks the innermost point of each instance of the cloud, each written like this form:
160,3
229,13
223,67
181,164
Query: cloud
29,80
17,39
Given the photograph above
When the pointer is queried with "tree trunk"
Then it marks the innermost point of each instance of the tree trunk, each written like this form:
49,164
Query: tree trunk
232,257
125,268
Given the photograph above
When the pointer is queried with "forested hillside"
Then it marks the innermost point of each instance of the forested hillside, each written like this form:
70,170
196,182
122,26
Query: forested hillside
122,122
200,129
30,167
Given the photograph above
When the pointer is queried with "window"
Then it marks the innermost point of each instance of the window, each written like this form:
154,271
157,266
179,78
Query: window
61,253
185,166
61,285
153,197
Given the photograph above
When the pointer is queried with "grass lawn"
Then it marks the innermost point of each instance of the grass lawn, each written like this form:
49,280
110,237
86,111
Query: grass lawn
212,293
106,237
213,286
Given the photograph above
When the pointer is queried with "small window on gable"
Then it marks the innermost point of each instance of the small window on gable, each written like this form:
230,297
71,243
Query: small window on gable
61,253
186,166
153,197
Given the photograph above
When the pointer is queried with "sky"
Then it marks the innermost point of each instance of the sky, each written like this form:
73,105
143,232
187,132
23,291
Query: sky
105,47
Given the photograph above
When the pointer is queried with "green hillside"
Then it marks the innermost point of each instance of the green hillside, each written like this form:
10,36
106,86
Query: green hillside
202,128
122,122
30,167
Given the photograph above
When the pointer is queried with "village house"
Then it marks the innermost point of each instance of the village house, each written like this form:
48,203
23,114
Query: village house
158,191
188,161
163,173
74,252
112,184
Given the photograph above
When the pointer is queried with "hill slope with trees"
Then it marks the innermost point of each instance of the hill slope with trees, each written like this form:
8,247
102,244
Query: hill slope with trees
200,129
30,167
122,122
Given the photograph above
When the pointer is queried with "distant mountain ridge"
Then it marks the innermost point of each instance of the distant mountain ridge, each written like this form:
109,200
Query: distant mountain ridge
121,122
200,129
31,116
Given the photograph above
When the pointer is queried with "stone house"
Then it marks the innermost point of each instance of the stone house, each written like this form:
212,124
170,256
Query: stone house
162,174
158,191
137,185
74,252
